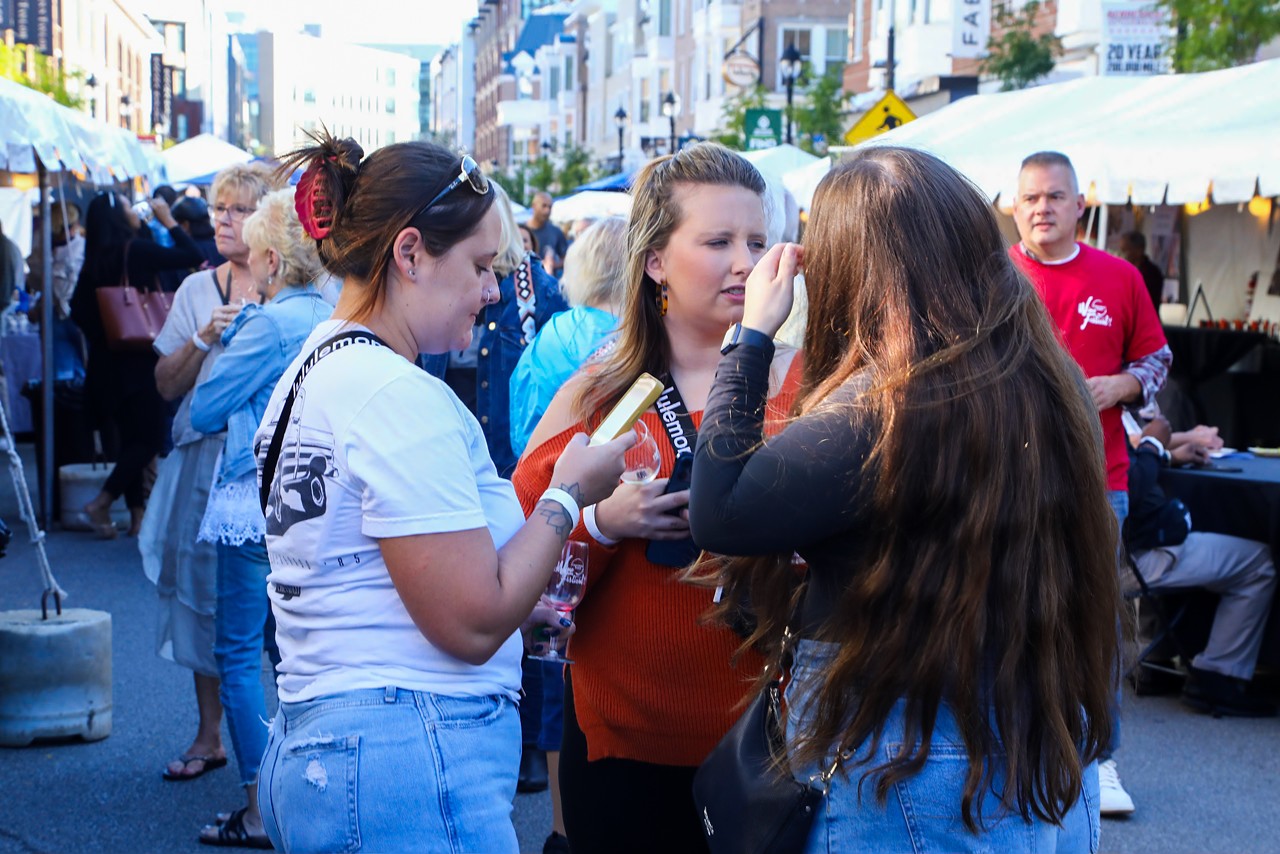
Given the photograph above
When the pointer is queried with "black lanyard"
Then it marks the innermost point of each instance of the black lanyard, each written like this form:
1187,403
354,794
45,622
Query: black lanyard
333,345
676,419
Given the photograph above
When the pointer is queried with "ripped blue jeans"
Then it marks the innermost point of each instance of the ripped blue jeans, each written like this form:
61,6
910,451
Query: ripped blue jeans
391,770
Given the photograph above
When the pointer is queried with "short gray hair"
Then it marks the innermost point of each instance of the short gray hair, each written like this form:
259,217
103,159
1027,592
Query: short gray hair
595,267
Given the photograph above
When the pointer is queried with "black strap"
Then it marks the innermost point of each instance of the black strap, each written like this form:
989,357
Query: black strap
676,419
225,296
333,345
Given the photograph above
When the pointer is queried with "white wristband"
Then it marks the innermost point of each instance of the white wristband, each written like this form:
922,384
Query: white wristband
589,520
565,500
199,342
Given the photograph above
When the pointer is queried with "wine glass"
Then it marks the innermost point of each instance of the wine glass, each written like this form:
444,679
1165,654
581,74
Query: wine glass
642,459
564,591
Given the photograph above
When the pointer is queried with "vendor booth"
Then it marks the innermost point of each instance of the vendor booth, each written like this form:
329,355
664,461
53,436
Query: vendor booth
1190,160
44,146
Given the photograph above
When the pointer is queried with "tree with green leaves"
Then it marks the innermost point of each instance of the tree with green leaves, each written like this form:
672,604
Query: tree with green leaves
733,117
541,174
822,113
44,74
1214,34
575,169
1017,56
514,182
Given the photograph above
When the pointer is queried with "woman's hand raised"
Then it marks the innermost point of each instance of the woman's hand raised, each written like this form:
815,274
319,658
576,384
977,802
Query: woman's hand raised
770,288
590,473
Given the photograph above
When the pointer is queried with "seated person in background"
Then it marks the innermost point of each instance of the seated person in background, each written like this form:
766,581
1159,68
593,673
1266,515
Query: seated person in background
1133,248
1171,556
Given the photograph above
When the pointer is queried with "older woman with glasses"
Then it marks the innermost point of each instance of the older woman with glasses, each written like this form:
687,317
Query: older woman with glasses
184,570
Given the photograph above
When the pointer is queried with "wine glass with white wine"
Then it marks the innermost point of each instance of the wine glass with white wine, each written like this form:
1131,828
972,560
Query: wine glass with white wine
642,459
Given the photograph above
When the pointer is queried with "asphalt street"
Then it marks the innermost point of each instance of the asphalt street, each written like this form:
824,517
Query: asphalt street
1201,785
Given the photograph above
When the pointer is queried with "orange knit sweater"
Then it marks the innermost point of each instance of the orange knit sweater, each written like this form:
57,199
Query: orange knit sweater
651,682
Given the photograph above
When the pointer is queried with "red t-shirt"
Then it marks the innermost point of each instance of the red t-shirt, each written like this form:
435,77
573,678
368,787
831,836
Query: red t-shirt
1106,320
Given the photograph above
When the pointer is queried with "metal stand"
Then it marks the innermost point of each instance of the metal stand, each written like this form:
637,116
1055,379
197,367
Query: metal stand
1198,298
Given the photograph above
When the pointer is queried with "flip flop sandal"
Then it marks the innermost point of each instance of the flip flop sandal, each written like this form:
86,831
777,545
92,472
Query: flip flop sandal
231,834
211,763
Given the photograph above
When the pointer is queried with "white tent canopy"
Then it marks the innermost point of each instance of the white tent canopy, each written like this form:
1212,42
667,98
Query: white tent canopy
201,155
1170,138
776,161
32,125
591,203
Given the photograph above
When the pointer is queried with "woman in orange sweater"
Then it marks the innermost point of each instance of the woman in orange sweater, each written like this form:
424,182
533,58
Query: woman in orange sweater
654,687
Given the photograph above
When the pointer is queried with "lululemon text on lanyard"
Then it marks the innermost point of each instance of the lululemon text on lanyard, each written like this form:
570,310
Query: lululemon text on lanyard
676,419
333,345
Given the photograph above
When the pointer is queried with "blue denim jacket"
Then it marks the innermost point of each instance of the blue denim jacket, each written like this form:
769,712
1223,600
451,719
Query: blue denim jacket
501,343
260,344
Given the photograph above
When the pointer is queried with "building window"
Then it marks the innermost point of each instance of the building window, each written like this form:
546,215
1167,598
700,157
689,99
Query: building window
568,73
391,77
664,17
554,82
644,99
837,46
391,106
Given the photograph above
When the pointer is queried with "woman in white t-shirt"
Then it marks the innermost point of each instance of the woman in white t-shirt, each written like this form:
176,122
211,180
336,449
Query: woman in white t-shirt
401,564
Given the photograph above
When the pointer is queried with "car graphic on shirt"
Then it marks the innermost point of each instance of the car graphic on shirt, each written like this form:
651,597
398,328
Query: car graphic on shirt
298,491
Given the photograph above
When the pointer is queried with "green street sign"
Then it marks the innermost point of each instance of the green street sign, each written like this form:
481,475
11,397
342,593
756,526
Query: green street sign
764,129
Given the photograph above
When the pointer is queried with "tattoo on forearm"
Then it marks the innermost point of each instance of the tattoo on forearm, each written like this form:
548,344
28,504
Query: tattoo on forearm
575,491
556,517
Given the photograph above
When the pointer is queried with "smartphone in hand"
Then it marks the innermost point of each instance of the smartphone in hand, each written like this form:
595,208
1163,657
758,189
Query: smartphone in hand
643,392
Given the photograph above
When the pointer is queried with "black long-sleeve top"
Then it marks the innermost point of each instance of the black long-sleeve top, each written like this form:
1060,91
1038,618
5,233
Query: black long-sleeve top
800,492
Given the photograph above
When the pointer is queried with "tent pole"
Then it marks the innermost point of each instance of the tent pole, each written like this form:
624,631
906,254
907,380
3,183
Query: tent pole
1102,226
46,351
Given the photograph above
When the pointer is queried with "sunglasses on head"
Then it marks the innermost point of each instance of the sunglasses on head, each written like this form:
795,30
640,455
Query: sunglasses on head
470,173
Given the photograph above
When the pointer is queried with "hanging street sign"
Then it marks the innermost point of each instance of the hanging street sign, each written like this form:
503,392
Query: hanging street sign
740,69
888,113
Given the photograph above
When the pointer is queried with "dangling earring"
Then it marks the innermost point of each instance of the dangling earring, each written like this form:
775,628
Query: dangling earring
662,299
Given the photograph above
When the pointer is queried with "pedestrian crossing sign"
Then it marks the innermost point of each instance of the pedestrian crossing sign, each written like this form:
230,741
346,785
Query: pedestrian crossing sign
888,113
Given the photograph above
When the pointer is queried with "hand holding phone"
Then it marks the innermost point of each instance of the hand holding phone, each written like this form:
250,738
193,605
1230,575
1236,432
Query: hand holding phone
643,392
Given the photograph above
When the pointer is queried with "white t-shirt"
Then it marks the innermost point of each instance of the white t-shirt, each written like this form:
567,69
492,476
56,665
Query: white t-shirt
376,448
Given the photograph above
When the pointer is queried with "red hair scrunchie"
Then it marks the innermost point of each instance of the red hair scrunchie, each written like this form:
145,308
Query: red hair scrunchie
314,203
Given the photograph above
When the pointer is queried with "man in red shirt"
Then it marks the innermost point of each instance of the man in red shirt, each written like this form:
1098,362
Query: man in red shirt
1106,321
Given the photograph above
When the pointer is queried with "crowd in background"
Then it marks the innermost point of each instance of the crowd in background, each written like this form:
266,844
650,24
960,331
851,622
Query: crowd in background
409,371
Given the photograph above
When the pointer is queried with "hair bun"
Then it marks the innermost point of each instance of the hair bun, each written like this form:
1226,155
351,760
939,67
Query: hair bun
332,166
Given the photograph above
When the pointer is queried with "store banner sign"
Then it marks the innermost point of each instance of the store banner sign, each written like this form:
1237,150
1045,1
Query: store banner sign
972,29
763,128
33,24
161,92
1135,36
6,14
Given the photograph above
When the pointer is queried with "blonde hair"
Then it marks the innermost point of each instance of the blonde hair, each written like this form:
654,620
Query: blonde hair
253,177
511,252
274,225
655,214
595,267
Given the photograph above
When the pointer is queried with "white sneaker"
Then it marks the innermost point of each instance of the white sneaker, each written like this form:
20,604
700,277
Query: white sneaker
1115,800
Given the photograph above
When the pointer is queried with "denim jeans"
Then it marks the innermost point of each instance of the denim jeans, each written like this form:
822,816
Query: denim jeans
922,813
1119,501
392,770
243,626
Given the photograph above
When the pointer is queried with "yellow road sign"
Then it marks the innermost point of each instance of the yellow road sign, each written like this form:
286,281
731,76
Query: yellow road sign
889,112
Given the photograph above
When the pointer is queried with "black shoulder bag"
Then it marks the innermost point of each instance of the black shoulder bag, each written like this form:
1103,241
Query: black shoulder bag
745,794
683,436
333,345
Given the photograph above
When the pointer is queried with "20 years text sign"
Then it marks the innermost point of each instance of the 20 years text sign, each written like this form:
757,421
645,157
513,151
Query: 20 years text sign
1135,36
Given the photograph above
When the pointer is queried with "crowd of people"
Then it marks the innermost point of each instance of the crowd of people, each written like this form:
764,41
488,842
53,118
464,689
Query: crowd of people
373,482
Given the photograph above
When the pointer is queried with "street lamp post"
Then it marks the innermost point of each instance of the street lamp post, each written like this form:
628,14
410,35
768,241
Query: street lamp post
791,65
671,109
91,83
620,119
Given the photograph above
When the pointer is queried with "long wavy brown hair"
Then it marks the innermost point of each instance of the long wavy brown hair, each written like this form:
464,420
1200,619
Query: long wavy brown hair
988,580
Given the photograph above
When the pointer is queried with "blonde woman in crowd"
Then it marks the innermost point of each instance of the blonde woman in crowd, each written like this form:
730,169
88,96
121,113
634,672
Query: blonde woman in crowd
183,569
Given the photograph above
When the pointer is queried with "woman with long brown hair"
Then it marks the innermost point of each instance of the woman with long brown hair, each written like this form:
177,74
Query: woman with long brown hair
942,479
652,688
